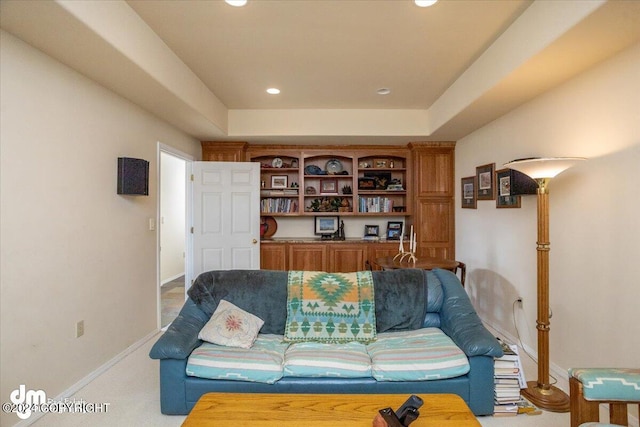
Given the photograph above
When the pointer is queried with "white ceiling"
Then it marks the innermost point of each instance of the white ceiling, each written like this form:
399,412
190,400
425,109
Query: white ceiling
328,54
204,66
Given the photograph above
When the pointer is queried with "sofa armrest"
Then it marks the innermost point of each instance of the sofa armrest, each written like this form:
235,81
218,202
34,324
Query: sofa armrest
181,338
460,321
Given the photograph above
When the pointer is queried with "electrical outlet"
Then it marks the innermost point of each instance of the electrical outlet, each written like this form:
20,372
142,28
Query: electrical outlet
80,329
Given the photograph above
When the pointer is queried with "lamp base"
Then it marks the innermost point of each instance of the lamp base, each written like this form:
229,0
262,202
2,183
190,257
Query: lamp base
552,399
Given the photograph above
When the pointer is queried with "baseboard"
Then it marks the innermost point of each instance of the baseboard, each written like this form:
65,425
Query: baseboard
561,374
92,376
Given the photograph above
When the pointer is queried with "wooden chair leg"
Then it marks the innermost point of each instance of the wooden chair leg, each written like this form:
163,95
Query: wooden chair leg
582,410
618,414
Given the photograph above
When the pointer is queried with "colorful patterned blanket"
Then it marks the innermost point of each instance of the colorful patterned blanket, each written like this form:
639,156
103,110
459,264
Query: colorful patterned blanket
330,307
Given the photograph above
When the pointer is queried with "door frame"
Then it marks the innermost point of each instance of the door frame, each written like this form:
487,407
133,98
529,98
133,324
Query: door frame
189,159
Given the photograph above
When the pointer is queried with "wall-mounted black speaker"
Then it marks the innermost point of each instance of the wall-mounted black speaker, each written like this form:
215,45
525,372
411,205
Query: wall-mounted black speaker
521,183
133,176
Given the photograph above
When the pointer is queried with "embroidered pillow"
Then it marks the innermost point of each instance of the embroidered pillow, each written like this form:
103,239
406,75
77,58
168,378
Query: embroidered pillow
231,326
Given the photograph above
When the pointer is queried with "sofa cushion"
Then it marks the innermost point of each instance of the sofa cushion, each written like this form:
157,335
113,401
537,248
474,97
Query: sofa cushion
240,288
423,354
330,307
231,326
312,359
401,299
261,363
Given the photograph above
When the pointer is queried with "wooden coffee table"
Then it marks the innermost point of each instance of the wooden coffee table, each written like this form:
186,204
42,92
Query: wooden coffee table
322,410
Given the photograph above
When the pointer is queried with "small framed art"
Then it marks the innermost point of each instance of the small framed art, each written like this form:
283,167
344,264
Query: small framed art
486,182
325,225
394,230
371,230
468,192
381,163
505,199
328,186
279,181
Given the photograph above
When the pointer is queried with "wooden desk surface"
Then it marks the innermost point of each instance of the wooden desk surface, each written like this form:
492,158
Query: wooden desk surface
322,410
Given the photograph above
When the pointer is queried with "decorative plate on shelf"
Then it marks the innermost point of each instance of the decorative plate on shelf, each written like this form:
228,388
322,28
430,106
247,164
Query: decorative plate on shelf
268,227
333,166
312,170
276,162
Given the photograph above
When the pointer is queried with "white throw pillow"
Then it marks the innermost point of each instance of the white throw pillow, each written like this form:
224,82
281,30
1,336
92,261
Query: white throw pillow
231,326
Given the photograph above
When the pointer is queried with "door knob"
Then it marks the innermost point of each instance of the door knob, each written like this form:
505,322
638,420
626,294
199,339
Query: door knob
255,241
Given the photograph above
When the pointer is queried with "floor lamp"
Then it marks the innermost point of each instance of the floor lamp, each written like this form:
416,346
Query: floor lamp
540,392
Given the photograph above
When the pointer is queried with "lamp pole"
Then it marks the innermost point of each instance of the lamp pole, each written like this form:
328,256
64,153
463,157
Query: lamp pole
541,393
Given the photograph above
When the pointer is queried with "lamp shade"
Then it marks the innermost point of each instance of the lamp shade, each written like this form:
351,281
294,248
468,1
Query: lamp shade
543,167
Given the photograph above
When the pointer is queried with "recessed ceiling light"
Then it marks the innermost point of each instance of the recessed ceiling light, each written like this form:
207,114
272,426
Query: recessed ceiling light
383,91
236,3
273,91
425,3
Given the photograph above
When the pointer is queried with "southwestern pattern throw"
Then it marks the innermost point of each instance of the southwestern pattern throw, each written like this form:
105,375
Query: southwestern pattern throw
330,307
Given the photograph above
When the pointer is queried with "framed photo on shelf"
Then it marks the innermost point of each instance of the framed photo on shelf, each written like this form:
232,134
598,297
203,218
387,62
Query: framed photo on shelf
394,230
279,181
324,225
468,192
371,230
505,199
381,163
486,182
329,186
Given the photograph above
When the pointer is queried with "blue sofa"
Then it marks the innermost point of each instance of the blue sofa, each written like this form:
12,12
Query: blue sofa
264,293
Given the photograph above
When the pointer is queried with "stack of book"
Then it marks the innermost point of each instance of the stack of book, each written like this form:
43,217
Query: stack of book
375,204
509,379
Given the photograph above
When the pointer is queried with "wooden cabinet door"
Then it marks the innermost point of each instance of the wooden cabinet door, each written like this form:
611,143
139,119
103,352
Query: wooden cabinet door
380,250
434,189
345,258
434,219
273,256
309,257
433,172
219,151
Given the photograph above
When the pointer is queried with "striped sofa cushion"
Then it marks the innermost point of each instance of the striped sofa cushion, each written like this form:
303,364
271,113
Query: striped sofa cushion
312,359
261,363
419,355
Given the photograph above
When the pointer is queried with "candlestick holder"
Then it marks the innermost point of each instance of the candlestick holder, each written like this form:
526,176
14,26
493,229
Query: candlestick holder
410,255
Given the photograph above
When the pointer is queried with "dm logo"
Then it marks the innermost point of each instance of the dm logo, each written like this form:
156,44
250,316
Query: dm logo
25,400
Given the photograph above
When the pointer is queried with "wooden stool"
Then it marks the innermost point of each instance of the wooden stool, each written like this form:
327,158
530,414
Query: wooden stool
616,387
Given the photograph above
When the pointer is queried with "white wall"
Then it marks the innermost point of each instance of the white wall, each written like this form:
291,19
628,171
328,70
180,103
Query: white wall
594,225
72,249
172,217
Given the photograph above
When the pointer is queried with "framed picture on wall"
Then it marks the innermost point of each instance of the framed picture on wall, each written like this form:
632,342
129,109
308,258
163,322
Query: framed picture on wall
486,182
504,198
468,192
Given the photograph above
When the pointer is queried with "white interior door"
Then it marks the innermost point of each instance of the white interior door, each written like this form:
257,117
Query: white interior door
226,216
